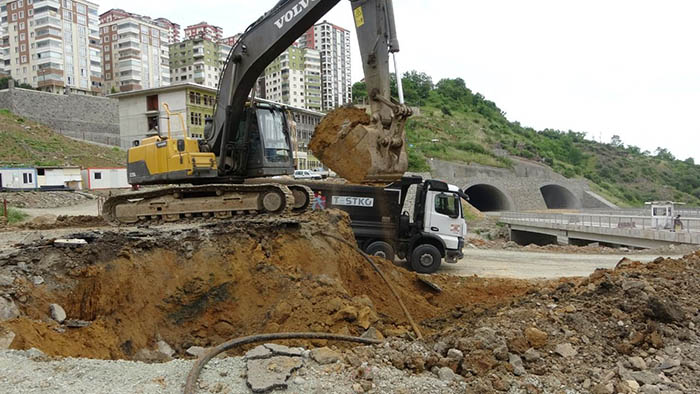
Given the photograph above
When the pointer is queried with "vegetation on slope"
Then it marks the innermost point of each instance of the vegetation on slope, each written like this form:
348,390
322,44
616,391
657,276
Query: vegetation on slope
28,144
458,125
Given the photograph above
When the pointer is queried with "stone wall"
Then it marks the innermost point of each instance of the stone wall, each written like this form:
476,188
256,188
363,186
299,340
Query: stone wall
89,118
521,185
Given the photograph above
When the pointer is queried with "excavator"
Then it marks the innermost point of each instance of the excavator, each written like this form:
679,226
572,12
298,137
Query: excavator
248,138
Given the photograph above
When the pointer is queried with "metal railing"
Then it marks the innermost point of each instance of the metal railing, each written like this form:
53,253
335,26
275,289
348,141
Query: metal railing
684,212
595,220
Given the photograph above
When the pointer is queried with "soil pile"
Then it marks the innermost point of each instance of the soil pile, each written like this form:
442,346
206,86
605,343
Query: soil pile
340,146
631,329
125,292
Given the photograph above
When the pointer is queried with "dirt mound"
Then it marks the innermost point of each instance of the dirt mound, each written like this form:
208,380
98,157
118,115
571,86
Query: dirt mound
336,149
63,221
202,286
614,331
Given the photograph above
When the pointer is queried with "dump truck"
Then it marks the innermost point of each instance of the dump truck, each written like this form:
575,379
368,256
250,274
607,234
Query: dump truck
419,220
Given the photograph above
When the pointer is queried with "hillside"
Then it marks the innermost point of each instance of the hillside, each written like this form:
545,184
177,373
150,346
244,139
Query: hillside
24,143
458,125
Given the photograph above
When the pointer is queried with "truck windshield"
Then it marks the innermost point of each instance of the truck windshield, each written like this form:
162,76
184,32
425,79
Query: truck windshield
272,132
447,204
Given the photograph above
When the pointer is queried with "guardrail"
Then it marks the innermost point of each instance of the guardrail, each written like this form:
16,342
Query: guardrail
684,212
631,222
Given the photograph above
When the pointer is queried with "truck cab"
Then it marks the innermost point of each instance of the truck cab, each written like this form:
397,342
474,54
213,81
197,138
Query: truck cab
438,228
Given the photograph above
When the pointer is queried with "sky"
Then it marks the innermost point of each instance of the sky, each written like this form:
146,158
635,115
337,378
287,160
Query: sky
625,67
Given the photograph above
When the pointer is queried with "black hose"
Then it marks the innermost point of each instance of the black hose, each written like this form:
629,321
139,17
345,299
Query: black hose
206,357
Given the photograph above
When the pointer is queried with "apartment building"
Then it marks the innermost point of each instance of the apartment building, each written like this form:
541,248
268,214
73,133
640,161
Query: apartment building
204,30
173,29
52,45
333,44
294,78
232,40
198,60
136,52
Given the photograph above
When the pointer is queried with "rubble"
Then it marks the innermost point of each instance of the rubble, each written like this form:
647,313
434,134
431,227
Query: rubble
57,313
628,329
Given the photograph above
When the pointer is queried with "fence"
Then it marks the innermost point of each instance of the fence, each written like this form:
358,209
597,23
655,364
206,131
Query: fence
689,224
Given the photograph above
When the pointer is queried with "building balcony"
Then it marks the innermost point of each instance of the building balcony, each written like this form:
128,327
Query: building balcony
128,28
38,4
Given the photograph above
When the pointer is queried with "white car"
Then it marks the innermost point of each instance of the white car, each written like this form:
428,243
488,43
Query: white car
306,174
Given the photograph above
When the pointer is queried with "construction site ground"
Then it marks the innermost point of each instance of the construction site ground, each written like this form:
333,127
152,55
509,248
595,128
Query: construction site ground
111,310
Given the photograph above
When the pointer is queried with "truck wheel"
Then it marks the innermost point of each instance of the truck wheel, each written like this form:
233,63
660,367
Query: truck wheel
426,259
380,249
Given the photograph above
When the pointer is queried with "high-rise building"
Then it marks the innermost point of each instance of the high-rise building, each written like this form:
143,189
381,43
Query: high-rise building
294,78
198,60
204,30
53,45
231,41
173,29
136,52
333,43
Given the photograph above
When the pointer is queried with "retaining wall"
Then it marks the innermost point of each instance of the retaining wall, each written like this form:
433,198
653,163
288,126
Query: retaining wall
89,118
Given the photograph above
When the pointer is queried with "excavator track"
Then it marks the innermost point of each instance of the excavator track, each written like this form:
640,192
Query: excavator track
177,204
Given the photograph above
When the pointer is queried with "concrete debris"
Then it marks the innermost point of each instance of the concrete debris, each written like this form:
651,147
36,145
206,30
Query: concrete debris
6,338
455,354
446,374
196,351
373,333
151,356
38,280
281,350
57,313
6,280
258,352
164,348
8,309
324,355
517,363
264,375
531,355
565,350
638,363
66,243
74,323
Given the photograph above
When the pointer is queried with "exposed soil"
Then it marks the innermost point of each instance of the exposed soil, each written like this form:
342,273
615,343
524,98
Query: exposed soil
333,143
205,285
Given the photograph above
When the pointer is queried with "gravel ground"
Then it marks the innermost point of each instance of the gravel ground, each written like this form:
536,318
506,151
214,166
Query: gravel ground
28,372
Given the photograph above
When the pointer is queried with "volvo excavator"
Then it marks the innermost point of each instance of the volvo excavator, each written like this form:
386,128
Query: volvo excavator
248,138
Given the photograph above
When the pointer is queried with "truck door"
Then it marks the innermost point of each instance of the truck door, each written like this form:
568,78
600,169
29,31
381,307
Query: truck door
444,210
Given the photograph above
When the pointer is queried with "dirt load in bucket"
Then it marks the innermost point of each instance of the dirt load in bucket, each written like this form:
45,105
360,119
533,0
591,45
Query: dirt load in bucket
343,145
123,292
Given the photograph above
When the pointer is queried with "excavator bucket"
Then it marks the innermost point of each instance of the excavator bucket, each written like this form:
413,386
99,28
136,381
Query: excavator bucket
359,150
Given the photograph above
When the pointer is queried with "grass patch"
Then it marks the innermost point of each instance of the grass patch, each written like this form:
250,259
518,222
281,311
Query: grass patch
13,215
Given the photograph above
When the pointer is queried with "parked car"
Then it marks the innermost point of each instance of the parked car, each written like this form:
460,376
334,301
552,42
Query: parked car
306,174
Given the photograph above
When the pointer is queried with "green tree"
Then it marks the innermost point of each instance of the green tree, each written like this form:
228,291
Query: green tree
616,141
416,87
359,92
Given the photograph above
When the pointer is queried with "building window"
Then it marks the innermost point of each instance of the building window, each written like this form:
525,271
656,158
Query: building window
152,103
98,175
27,178
195,118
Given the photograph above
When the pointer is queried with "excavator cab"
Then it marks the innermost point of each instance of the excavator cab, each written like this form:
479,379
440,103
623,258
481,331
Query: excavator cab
269,153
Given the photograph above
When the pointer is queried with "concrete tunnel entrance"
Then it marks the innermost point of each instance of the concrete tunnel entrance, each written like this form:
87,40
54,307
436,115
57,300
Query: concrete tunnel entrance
559,197
487,198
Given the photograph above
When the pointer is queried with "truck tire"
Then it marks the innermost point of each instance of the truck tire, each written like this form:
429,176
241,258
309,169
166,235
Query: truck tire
380,249
426,259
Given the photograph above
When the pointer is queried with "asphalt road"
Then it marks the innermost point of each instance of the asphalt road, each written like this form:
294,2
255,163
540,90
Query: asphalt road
532,265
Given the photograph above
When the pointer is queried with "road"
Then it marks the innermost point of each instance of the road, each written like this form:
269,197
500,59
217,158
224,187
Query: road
532,265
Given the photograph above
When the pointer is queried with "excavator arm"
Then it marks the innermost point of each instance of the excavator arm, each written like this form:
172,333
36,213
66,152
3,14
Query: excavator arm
383,136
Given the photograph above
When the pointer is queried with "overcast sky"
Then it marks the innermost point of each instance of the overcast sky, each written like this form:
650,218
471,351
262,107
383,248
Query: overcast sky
626,67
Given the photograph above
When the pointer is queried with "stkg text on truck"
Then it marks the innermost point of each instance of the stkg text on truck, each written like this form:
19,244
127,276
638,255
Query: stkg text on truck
383,226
